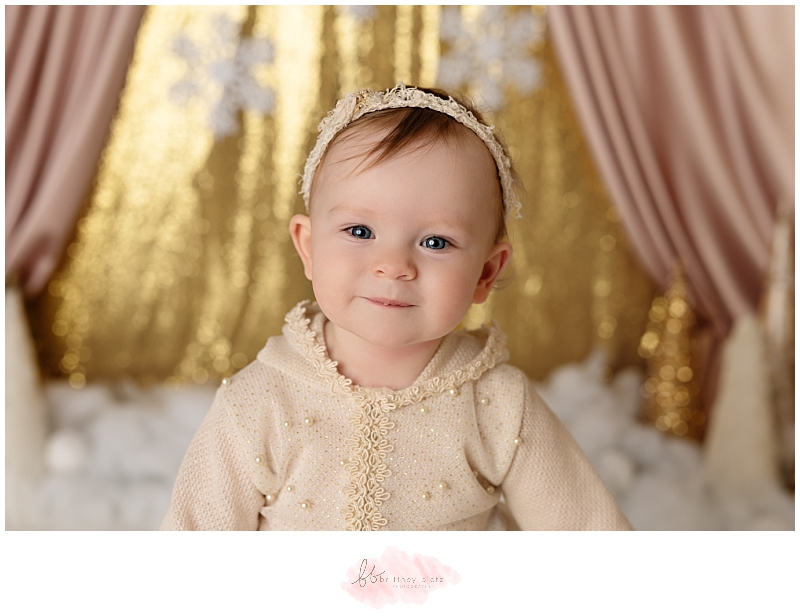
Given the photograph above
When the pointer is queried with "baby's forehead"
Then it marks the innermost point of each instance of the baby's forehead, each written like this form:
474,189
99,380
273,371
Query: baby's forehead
444,177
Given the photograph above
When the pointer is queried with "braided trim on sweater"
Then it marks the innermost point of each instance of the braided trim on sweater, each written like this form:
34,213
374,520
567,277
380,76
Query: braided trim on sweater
367,468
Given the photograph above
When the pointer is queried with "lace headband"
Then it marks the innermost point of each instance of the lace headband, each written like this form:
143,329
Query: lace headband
353,106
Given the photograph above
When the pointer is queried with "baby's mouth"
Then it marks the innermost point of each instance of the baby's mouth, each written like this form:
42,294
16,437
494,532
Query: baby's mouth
390,303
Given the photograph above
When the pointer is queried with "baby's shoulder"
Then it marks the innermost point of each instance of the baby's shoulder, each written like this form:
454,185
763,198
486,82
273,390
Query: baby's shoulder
500,396
251,374
254,404
499,407
504,380
514,390
251,387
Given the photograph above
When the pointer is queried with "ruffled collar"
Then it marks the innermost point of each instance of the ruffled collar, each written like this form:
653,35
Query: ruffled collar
462,356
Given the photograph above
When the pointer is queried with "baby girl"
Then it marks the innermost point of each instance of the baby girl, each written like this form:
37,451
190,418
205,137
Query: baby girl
372,411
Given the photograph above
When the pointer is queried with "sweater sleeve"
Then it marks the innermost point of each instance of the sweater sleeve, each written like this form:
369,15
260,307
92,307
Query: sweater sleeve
550,484
213,490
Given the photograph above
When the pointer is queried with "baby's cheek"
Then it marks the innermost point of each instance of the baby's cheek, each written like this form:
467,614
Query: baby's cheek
468,276
331,283
455,292
322,262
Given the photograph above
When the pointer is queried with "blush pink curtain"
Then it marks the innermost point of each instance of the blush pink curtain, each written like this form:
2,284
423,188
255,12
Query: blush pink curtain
689,112
65,68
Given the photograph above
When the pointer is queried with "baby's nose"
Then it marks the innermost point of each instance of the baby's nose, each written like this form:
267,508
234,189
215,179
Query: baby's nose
396,264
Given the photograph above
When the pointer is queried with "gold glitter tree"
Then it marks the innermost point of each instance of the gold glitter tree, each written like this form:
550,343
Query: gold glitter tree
671,390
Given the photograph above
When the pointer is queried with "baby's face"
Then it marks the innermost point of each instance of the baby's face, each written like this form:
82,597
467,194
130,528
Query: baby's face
398,252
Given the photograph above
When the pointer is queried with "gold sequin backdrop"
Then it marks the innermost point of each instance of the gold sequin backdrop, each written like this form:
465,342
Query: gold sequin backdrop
181,265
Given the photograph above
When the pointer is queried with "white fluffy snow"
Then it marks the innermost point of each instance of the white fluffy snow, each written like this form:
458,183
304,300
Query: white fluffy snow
660,482
113,454
114,451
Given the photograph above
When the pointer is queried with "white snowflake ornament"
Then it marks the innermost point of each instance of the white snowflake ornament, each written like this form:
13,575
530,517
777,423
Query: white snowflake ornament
492,53
222,69
361,12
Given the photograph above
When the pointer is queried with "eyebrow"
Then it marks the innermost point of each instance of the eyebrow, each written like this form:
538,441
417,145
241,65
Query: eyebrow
346,208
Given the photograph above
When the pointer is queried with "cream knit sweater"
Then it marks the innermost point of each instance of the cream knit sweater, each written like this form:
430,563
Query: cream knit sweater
291,444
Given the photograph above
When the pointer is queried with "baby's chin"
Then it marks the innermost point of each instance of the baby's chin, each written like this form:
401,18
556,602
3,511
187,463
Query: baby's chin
390,336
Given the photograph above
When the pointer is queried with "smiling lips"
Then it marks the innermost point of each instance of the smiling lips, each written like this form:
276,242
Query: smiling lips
389,303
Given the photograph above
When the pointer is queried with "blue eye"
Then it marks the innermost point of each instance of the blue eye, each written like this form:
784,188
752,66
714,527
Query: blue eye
435,243
360,232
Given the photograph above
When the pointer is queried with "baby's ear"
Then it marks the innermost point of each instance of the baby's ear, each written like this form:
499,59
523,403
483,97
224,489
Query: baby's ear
300,230
495,263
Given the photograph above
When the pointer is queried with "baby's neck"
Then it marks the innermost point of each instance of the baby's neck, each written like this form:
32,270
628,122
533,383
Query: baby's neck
369,365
